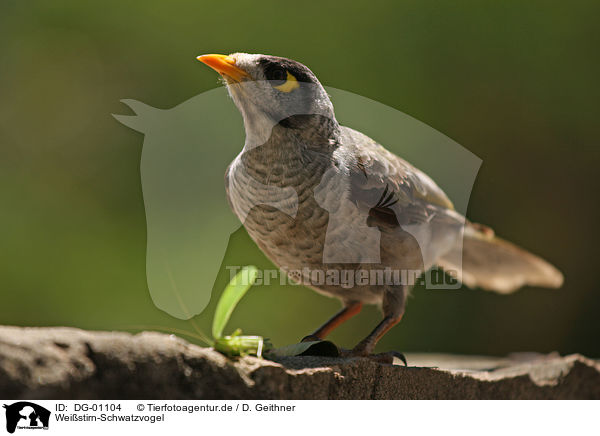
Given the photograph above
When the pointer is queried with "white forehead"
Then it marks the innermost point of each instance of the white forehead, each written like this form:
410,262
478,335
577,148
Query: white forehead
246,60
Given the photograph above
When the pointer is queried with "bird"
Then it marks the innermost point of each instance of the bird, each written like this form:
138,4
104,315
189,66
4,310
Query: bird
321,199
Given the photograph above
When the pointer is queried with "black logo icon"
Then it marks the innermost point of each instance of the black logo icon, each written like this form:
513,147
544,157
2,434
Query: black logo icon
26,415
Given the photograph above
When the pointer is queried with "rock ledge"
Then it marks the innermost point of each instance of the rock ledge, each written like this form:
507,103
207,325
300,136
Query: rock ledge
67,363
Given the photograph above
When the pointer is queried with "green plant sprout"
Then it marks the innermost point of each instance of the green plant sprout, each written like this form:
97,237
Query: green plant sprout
240,345
236,344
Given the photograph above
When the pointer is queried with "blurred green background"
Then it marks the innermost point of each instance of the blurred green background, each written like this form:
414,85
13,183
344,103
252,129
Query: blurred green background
514,82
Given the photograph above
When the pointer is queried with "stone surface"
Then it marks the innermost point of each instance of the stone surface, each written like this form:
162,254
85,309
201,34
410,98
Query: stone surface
67,363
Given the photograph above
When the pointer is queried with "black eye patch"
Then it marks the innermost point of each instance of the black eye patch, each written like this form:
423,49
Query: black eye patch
276,74
276,69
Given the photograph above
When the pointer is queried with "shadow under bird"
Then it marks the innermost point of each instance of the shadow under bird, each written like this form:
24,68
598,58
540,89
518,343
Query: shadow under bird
318,196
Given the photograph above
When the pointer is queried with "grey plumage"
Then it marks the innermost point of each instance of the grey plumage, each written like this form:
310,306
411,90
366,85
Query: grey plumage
314,194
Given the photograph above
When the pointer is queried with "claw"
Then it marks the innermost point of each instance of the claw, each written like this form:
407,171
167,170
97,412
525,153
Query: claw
385,358
400,356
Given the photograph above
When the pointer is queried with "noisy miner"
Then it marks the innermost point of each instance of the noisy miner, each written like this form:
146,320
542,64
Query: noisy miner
321,199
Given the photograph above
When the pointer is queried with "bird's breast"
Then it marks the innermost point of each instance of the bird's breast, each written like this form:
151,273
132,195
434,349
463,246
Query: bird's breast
277,204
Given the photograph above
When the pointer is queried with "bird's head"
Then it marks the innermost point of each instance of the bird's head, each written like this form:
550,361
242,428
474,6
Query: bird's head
272,91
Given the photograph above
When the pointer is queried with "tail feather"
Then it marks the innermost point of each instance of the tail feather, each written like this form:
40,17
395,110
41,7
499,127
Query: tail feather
494,264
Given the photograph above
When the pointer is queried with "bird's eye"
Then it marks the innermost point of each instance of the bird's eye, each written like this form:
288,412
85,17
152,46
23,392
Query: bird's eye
289,85
281,79
277,75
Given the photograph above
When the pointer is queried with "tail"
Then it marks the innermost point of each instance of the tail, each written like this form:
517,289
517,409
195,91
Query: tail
494,264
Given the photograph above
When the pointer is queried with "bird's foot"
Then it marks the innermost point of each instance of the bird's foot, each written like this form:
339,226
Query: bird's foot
326,348
388,357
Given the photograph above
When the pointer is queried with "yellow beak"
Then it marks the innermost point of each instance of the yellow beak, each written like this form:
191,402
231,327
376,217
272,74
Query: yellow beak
224,65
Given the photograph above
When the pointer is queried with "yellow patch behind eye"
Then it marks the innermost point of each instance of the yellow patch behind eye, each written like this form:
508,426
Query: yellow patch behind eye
290,84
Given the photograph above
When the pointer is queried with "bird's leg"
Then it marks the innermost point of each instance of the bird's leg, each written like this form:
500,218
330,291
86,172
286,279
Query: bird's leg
394,300
366,346
350,309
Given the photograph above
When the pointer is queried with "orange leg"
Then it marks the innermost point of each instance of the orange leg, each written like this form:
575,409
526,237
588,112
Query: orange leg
394,301
343,315
366,346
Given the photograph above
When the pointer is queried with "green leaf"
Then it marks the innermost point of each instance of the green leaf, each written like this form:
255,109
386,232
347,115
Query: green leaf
231,296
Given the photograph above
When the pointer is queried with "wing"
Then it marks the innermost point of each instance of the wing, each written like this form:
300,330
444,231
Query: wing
399,197
380,168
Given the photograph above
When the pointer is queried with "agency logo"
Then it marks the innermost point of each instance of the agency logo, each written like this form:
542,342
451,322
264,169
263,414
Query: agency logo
26,415
183,156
